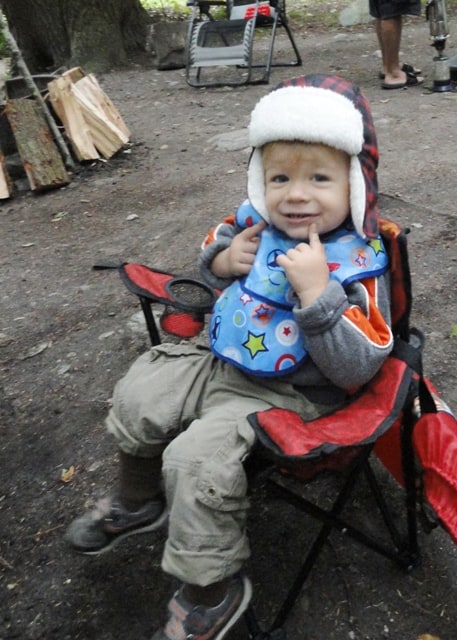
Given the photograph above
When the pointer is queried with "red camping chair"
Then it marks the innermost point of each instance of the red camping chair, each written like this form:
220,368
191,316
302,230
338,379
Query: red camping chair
398,416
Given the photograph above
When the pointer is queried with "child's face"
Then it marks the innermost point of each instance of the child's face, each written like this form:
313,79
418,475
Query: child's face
305,183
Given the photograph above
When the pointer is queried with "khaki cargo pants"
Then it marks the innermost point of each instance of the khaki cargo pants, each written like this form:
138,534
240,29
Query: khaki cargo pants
182,398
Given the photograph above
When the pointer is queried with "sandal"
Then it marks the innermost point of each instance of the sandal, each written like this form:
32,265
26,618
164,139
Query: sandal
412,80
407,68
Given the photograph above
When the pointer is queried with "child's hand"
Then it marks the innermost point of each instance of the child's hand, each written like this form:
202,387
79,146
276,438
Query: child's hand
238,258
306,268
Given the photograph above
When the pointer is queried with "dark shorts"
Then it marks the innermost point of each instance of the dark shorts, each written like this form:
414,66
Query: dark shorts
392,8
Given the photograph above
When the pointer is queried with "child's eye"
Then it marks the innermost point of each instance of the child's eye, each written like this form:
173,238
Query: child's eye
280,178
320,177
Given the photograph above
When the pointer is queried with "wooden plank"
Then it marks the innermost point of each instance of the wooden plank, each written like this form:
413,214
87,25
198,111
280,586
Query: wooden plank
67,108
39,154
6,184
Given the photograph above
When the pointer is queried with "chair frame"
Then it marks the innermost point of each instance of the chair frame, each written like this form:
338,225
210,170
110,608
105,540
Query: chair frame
401,545
201,14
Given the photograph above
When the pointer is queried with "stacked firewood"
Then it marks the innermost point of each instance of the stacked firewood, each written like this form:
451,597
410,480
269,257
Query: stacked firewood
92,126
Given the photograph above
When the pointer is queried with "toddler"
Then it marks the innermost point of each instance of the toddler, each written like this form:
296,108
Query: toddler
302,320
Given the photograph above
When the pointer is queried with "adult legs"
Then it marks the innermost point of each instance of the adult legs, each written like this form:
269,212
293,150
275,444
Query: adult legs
388,32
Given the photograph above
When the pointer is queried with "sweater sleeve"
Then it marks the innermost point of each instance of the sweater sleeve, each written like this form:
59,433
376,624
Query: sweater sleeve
217,239
347,331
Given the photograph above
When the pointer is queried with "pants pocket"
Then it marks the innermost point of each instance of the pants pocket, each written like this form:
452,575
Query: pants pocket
222,486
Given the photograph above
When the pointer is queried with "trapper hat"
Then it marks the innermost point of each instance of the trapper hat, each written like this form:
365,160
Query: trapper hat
327,110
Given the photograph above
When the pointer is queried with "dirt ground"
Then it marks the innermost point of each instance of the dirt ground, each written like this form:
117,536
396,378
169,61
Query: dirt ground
67,333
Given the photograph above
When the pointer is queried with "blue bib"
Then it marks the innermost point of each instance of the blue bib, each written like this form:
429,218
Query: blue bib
253,325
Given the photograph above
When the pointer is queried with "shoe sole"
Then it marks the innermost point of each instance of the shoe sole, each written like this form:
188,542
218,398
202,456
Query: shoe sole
406,68
122,536
402,85
247,595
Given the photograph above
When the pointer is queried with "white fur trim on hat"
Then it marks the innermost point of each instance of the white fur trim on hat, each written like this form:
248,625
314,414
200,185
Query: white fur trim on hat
308,114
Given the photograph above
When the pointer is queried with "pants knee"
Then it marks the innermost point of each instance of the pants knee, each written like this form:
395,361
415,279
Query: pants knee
217,479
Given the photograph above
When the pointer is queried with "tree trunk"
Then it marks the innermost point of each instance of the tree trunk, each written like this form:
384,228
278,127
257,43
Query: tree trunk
96,35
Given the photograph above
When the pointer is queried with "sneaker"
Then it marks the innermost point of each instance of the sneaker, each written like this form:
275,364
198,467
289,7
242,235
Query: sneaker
187,620
109,522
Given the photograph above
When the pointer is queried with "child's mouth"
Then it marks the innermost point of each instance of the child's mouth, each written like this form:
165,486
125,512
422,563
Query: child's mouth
300,216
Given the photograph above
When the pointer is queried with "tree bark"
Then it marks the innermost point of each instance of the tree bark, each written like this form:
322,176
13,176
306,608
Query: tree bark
97,35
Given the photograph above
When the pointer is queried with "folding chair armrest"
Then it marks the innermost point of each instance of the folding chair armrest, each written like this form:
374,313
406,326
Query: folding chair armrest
185,300
362,420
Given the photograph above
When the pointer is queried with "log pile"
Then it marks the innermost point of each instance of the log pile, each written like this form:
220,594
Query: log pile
92,125
6,184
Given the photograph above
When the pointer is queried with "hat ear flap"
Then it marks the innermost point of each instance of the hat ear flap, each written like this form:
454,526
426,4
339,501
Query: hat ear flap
256,184
357,195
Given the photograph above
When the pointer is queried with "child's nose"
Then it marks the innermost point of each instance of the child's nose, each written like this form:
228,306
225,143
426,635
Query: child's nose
299,191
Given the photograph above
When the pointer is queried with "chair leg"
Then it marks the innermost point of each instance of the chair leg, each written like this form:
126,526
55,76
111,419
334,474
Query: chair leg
330,522
150,321
266,75
276,632
403,551
409,474
279,21
298,61
256,633
407,553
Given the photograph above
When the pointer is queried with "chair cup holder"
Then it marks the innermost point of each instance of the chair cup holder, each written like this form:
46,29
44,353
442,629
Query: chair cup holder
190,295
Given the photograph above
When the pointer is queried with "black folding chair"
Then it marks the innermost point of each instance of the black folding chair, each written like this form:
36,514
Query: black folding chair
225,44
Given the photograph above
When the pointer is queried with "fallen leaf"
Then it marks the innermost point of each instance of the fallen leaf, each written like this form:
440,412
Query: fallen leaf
59,215
34,351
67,474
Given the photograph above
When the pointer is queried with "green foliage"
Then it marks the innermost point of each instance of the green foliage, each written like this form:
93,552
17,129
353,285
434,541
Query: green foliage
171,9
4,47
315,14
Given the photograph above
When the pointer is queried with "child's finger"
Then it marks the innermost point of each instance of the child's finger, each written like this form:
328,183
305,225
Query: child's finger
313,236
251,232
